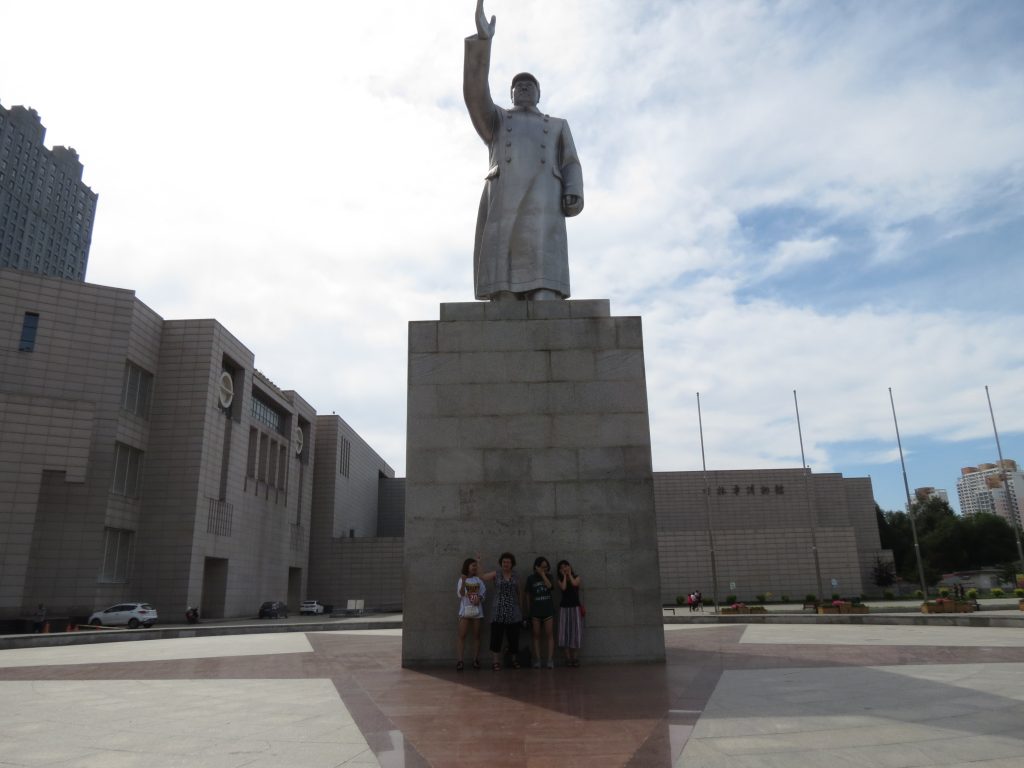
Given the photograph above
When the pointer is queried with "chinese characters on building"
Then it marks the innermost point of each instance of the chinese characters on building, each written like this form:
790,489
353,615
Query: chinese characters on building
750,490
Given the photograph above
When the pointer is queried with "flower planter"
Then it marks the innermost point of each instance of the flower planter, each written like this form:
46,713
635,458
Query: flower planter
853,609
757,609
823,609
947,606
733,611
1020,605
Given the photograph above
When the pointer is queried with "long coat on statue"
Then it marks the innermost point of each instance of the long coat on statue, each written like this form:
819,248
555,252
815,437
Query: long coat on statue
520,229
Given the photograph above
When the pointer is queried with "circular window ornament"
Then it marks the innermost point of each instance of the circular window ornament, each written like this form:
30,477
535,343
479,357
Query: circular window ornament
297,440
226,393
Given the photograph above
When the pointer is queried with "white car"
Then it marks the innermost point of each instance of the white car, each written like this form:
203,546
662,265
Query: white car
130,614
311,606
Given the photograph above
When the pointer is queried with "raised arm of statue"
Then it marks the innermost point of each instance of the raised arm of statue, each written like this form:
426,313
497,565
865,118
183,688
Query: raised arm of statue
484,29
476,89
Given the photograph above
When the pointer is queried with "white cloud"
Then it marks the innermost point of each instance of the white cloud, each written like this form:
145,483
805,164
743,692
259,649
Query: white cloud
308,176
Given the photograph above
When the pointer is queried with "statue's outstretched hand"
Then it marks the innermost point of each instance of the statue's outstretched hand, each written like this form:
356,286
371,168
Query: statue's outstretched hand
484,29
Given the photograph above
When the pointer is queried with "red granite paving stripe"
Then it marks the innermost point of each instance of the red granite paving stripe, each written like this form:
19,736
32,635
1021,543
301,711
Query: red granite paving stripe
600,715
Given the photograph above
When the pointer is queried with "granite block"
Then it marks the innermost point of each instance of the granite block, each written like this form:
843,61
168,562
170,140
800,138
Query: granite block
459,465
464,310
422,337
458,400
555,465
507,465
432,368
507,310
528,431
629,333
619,364
572,365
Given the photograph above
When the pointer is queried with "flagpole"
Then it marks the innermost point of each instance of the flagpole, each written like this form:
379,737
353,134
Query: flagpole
1014,513
910,505
707,508
810,508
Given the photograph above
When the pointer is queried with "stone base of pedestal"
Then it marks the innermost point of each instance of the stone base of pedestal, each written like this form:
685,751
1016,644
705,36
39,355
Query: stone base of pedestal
528,432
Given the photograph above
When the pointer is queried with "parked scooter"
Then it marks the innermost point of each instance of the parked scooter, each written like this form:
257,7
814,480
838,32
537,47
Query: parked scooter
192,615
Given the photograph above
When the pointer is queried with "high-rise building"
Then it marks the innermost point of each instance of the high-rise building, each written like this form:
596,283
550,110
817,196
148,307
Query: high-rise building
982,489
46,211
928,492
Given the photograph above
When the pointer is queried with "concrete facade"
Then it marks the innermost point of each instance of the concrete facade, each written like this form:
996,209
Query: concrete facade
347,560
46,211
761,526
131,470
528,431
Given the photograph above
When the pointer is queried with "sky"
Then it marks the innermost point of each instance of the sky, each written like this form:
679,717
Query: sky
819,197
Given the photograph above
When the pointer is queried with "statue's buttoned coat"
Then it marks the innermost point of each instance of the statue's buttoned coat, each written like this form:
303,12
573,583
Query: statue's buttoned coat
520,231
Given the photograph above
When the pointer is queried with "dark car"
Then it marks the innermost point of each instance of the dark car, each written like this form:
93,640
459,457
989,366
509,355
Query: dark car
274,609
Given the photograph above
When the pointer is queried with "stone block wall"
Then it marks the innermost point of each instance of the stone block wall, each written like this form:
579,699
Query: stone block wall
528,431
761,523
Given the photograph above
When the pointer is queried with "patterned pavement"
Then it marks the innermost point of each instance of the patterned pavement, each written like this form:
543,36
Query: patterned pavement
750,696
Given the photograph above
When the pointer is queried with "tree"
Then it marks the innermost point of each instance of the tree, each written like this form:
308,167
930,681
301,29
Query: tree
947,541
895,534
884,573
989,539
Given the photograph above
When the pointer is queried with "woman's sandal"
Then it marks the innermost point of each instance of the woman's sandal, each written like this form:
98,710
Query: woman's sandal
476,663
459,666
496,667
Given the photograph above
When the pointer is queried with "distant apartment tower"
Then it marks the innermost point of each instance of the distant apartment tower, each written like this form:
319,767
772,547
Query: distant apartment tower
46,212
928,492
981,489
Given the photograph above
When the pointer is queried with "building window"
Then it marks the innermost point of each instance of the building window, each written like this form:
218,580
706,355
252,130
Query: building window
282,467
261,474
250,462
136,390
117,555
29,326
127,471
346,456
267,414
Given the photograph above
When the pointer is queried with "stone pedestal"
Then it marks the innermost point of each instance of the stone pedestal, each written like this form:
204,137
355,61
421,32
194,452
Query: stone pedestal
528,432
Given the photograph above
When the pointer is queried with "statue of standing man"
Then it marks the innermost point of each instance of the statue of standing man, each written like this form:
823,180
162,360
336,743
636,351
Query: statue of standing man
534,182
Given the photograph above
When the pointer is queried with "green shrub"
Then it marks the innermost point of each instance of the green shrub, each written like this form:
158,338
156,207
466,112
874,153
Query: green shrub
761,598
809,598
1019,592
785,598
919,595
996,592
730,599
944,592
972,594
889,594
680,599
835,595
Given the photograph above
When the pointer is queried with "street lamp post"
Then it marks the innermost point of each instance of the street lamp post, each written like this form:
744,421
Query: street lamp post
1014,513
910,505
810,509
707,507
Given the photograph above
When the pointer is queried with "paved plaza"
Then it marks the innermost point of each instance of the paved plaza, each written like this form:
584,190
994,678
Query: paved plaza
746,695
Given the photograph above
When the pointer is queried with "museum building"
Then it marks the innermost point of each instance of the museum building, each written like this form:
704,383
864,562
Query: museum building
148,459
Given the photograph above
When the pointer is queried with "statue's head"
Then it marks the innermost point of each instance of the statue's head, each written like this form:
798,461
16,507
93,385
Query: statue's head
525,90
